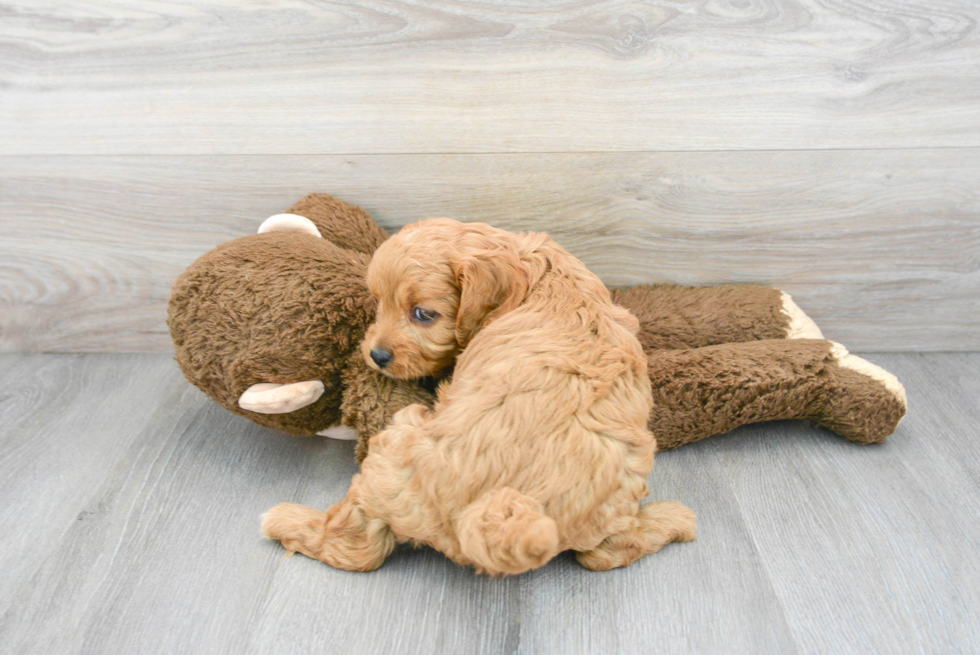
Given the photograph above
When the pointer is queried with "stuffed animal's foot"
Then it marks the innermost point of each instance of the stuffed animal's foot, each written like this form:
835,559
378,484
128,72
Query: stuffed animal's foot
800,325
342,536
865,403
657,525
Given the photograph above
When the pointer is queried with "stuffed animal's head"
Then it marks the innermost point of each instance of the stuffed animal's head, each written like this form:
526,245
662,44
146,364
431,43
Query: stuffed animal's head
266,324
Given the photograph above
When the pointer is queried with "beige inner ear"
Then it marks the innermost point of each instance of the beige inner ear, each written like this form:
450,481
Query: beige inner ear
269,398
289,223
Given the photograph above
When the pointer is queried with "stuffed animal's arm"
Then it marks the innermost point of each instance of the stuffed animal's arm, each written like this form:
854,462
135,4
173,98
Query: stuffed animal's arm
673,317
705,391
371,400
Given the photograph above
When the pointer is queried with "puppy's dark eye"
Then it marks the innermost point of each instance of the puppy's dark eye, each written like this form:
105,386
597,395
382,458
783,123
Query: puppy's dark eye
420,315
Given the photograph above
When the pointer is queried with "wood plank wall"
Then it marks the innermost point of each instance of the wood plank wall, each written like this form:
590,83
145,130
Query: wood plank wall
829,148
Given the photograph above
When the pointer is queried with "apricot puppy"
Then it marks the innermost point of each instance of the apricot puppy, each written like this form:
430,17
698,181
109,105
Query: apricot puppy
538,444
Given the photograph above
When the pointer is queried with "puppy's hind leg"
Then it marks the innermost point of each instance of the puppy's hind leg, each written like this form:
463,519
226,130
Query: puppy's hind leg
657,524
343,536
505,532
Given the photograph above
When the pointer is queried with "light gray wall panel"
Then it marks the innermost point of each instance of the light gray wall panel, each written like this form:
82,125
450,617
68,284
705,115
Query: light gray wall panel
881,247
230,77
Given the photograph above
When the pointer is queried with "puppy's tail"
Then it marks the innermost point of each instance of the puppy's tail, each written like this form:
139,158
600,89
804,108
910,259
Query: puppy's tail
505,532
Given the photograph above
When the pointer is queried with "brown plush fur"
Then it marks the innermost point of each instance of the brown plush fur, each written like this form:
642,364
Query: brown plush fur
286,307
700,392
673,317
538,444
372,400
283,307
343,225
320,308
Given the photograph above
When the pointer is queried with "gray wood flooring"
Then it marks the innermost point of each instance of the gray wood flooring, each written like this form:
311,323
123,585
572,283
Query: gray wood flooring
129,523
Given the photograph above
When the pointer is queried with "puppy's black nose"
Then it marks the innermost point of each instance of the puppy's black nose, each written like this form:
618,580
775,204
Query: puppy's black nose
382,356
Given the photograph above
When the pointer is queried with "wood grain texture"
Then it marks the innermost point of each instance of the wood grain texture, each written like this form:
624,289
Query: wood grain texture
222,76
66,421
728,606
868,540
882,248
136,531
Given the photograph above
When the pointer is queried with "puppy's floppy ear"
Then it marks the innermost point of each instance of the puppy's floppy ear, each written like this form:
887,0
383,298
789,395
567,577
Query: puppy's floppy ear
491,283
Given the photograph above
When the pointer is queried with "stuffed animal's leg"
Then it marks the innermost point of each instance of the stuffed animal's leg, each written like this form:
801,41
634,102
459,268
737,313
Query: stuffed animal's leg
343,536
657,524
673,317
505,532
706,391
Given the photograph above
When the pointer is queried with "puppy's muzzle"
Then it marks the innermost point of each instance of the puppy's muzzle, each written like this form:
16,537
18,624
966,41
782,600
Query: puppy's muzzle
382,356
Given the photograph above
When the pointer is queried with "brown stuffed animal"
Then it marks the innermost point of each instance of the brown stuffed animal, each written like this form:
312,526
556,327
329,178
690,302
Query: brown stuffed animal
268,325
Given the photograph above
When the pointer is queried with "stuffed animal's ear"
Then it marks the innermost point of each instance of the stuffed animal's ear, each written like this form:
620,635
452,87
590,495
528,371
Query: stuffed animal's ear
289,222
491,282
342,224
269,398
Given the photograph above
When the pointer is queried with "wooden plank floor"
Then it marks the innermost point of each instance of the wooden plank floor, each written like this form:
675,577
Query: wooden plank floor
129,523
